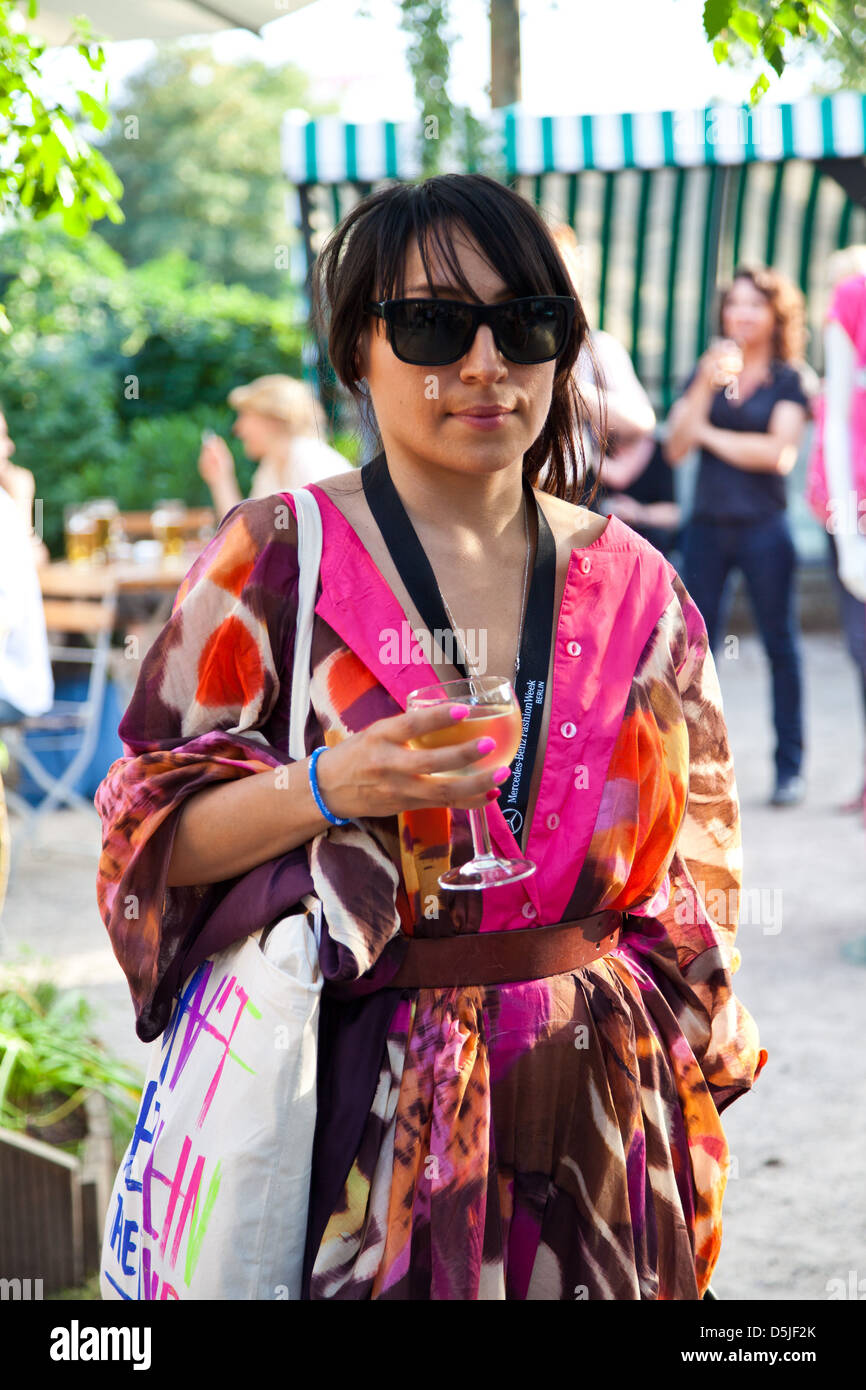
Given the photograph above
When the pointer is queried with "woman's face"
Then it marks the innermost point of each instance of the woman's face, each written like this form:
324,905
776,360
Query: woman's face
260,435
422,411
748,316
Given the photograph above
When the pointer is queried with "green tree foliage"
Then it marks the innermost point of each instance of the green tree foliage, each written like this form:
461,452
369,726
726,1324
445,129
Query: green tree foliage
775,31
846,51
445,126
46,165
429,64
109,374
197,145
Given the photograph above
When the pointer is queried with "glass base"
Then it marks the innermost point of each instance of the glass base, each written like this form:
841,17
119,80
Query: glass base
487,872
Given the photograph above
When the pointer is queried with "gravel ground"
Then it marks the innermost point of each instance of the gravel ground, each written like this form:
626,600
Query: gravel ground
795,1216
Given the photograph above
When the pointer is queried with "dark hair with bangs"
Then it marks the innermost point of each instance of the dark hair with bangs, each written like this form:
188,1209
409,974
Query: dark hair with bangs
363,259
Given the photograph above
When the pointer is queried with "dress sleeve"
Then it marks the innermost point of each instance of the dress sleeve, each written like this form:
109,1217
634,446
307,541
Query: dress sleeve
848,305
688,943
207,687
792,386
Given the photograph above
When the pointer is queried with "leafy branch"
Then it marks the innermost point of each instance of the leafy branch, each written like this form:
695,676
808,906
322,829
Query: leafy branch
46,164
429,58
429,64
763,29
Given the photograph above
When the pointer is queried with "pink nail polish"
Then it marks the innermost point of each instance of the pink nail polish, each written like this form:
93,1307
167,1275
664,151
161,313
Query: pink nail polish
500,774
492,794
459,711
486,745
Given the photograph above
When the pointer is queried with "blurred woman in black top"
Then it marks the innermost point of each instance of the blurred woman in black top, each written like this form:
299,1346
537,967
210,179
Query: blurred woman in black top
745,408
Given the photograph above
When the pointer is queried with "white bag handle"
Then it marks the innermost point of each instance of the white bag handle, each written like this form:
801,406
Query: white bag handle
309,559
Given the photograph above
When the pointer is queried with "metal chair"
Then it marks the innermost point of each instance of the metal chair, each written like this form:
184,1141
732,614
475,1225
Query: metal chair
70,725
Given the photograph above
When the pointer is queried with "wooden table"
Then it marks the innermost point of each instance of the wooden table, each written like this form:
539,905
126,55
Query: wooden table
132,600
62,580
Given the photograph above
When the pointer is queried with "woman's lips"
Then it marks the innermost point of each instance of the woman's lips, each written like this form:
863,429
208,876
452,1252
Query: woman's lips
485,421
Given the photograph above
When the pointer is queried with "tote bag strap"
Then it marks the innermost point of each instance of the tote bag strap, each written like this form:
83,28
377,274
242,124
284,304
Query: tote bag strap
309,559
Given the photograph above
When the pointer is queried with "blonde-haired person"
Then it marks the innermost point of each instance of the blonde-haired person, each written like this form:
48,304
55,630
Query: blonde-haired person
281,426
836,484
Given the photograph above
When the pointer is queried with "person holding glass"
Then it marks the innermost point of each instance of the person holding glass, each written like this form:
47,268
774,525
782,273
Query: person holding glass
520,1078
745,407
281,426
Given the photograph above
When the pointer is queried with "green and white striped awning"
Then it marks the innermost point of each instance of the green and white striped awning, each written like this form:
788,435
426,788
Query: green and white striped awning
330,151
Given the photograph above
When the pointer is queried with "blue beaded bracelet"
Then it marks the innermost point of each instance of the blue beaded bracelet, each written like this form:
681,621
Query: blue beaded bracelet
317,795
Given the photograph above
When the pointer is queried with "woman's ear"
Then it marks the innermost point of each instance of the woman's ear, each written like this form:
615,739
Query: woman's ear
362,354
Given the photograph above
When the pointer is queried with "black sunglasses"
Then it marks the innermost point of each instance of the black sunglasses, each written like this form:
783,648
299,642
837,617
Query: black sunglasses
434,332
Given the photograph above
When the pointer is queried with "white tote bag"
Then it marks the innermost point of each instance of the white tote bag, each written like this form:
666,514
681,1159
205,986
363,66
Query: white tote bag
211,1198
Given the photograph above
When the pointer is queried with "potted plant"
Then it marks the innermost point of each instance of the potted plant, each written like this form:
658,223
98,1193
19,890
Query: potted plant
67,1109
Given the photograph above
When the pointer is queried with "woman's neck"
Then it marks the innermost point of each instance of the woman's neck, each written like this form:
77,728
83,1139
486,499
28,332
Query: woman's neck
474,510
757,356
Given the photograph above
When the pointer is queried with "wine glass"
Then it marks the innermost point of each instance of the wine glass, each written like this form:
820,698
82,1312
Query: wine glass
495,713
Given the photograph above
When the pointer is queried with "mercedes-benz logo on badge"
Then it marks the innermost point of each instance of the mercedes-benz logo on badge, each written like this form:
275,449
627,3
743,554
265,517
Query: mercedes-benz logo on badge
514,818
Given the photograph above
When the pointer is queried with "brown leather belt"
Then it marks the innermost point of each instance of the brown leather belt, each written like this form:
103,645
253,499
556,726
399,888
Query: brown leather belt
505,957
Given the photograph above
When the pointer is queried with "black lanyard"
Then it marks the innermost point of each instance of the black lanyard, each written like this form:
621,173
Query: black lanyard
415,570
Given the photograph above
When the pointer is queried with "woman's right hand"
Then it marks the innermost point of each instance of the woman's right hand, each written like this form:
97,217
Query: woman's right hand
720,364
374,773
215,462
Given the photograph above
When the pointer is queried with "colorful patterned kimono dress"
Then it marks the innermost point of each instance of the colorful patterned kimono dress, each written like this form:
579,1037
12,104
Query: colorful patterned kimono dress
552,1139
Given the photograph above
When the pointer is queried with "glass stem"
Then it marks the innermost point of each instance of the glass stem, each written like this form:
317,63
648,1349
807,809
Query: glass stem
481,846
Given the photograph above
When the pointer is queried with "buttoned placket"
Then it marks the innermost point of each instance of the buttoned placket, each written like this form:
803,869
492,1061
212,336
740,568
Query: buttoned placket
579,565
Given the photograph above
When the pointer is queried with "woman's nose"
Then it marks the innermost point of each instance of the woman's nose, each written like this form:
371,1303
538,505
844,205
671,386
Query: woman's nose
483,356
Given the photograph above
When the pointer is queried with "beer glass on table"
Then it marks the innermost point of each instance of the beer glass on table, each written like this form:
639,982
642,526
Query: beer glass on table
168,522
79,534
104,513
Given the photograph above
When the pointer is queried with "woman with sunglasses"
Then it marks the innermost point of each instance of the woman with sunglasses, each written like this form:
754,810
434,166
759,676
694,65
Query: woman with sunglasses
519,1089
